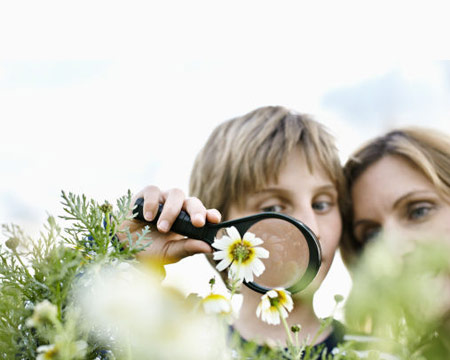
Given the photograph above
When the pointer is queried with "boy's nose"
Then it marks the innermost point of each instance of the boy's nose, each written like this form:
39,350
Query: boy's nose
310,220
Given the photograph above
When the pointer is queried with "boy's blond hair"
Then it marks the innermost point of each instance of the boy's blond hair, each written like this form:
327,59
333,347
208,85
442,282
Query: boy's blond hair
244,154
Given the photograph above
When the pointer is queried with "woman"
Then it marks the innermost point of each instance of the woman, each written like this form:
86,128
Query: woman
399,183
400,189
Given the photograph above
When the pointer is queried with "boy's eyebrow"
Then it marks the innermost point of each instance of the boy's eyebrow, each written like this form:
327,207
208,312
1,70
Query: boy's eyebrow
325,187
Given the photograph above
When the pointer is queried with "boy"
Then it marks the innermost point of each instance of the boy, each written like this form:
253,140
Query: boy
270,159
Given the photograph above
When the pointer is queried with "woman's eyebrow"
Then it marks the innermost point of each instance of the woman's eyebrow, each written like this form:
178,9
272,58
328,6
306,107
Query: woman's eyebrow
408,195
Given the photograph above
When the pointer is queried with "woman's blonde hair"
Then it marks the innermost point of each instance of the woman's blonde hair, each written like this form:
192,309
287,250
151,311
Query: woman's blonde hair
244,154
428,150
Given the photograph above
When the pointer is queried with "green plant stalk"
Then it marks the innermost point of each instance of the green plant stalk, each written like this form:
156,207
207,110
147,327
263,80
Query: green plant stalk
286,327
21,263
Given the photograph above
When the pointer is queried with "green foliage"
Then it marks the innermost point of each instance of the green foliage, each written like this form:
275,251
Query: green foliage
32,272
402,298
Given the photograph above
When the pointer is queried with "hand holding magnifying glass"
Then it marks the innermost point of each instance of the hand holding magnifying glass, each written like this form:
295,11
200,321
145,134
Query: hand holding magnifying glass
294,251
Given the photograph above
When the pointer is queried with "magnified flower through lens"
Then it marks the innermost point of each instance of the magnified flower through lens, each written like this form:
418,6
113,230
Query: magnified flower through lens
241,254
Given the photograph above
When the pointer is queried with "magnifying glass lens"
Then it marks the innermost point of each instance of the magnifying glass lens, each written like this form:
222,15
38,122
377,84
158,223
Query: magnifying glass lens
288,253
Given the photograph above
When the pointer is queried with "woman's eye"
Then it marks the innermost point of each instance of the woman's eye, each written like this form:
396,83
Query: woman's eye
367,234
419,211
273,208
370,234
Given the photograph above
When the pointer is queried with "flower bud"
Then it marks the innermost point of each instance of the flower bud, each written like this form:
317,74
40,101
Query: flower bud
12,243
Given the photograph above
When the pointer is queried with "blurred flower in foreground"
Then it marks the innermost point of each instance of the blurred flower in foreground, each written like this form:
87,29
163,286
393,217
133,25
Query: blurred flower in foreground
274,304
47,352
75,350
44,313
403,299
130,309
241,254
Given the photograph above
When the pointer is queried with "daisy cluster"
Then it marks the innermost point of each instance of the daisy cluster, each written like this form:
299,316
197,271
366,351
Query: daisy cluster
242,255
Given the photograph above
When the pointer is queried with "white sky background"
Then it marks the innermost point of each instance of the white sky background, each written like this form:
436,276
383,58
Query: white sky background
98,97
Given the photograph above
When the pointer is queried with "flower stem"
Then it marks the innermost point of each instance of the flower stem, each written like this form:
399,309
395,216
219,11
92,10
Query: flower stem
286,327
21,263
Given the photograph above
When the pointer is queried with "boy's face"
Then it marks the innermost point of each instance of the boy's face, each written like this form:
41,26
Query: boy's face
309,197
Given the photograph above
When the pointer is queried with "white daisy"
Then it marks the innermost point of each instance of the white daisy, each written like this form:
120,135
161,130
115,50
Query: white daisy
44,313
275,303
47,352
216,304
242,255
77,350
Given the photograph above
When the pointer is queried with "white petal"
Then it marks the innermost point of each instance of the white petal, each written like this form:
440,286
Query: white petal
249,237
265,303
219,255
248,273
240,273
286,295
258,267
258,310
235,272
216,304
233,233
289,305
255,241
271,316
223,264
222,244
272,294
261,252
283,312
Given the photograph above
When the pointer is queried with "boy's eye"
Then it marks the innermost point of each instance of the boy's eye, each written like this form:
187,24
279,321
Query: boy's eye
419,211
272,208
321,206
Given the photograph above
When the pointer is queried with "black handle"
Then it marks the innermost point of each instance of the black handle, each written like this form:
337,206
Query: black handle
182,225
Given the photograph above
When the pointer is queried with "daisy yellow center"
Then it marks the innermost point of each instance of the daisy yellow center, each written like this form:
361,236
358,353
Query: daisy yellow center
279,300
51,354
241,251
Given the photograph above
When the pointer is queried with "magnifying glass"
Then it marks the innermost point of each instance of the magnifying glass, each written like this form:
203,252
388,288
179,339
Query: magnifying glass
294,251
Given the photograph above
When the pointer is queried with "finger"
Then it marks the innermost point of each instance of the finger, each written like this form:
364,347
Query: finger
178,250
196,210
174,200
197,247
213,216
151,195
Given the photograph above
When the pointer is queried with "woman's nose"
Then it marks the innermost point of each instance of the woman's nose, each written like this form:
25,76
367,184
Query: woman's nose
398,236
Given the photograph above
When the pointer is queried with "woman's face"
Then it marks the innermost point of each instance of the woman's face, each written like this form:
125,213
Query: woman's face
309,197
393,197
